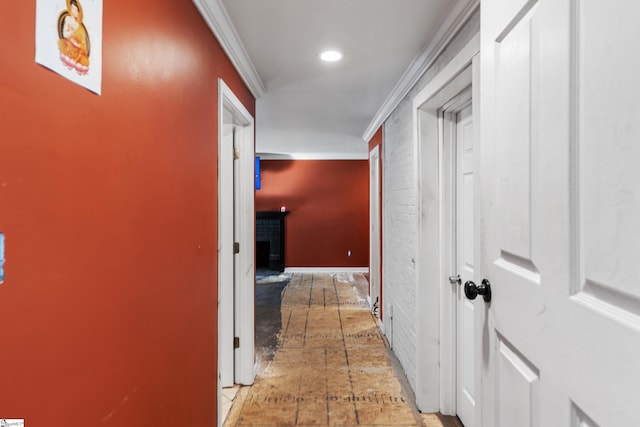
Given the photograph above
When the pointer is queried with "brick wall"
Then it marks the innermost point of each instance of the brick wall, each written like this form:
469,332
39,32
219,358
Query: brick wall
399,207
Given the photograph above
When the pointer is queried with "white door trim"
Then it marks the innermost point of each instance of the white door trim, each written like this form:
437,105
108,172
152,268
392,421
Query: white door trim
434,306
239,321
374,230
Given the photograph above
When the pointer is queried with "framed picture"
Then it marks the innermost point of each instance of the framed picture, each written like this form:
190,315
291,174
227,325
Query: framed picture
69,40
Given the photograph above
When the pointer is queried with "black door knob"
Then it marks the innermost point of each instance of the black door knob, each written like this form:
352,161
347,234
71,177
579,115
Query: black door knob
472,291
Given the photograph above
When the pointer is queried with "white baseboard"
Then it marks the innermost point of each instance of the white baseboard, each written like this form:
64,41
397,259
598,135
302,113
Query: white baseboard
326,270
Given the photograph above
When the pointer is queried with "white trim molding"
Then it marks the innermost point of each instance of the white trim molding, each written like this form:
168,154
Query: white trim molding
313,156
421,63
218,20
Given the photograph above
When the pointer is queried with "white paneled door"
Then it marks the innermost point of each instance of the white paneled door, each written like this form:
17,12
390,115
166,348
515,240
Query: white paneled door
226,259
560,209
236,243
465,354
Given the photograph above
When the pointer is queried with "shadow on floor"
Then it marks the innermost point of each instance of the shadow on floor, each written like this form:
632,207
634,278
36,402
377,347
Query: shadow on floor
269,286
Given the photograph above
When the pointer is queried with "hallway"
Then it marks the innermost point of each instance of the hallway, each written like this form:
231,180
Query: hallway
331,365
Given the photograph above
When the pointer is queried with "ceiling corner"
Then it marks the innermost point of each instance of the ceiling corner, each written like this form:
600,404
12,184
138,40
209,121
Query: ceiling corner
218,20
422,62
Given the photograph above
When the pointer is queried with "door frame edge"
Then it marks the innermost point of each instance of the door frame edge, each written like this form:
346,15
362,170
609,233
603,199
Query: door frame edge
452,79
229,103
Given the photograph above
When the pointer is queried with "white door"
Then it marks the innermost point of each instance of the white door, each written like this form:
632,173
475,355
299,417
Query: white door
229,305
560,132
236,224
238,302
374,224
226,257
465,345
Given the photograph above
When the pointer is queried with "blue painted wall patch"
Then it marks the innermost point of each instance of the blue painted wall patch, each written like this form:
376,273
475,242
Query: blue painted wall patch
1,257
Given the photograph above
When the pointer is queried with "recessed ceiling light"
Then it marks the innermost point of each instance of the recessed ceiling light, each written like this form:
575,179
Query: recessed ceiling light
331,55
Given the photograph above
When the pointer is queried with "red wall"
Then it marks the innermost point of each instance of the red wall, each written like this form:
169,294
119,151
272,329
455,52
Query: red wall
376,140
329,205
108,205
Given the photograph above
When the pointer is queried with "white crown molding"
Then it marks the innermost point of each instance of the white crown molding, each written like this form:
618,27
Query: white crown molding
313,156
421,63
218,20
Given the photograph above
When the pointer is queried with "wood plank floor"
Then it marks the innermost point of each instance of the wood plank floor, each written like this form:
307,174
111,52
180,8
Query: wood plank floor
331,366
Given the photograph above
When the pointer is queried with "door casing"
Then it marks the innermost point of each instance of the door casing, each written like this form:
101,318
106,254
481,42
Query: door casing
236,289
447,135
435,330
375,291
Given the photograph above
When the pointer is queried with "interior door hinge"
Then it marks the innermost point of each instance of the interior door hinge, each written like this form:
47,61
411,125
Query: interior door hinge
236,247
236,153
236,342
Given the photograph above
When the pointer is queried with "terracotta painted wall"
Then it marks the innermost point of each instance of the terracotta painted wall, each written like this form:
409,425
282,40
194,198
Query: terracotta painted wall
329,205
108,205
376,140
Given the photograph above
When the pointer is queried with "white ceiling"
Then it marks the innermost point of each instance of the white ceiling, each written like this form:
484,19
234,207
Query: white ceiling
310,109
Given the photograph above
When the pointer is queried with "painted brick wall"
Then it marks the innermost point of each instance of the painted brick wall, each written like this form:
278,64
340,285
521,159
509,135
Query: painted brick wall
399,207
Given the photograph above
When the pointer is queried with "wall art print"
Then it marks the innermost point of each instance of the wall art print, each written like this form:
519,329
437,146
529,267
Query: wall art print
69,40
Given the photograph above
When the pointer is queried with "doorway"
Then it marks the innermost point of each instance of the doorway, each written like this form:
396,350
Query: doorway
438,110
236,230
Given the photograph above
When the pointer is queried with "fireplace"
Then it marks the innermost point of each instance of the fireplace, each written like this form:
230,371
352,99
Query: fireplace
270,240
